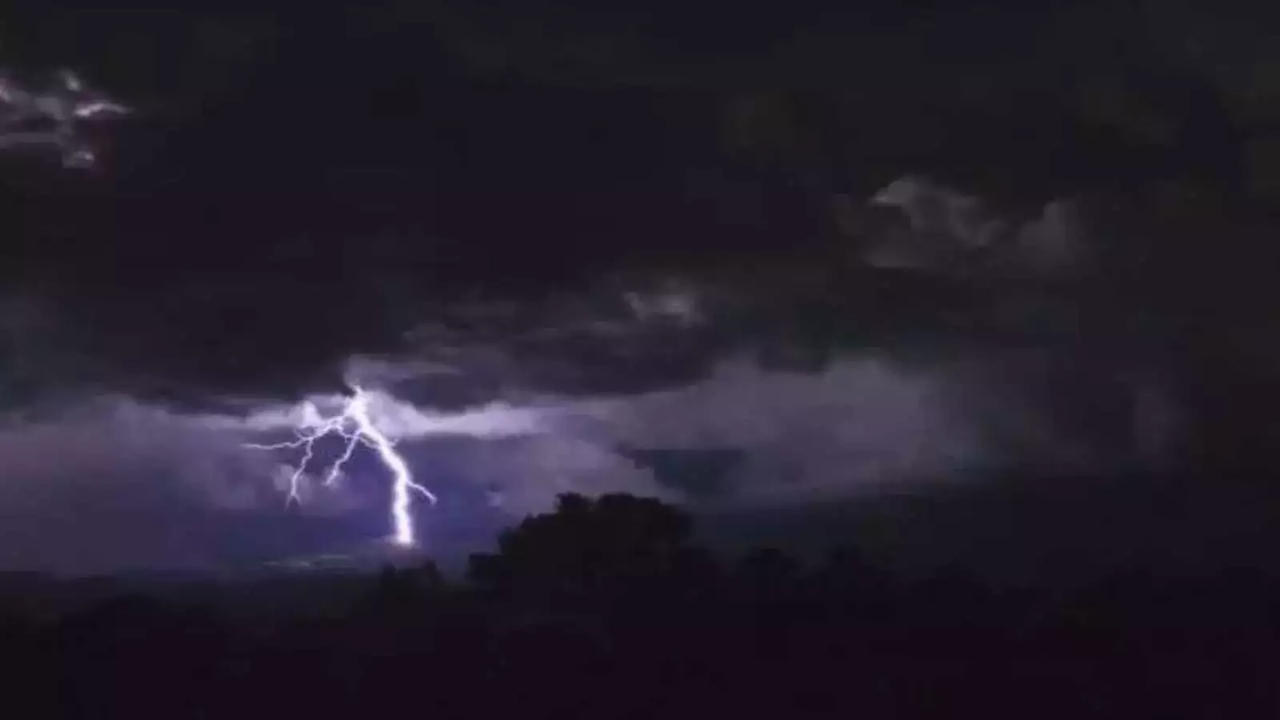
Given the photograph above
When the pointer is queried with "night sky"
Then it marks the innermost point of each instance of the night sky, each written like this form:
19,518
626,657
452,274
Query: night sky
962,286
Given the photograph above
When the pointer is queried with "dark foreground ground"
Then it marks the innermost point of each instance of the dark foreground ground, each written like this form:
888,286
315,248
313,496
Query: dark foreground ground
606,609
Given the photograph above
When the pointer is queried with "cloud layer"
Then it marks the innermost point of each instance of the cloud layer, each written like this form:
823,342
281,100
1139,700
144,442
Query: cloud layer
115,483
642,384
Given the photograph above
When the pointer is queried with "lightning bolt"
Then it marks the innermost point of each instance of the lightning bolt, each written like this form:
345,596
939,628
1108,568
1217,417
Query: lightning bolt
357,428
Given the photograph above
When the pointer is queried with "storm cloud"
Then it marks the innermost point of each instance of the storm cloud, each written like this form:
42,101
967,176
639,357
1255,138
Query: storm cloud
567,267
619,385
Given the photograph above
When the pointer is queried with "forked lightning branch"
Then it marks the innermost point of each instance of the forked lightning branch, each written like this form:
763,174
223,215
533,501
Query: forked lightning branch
357,429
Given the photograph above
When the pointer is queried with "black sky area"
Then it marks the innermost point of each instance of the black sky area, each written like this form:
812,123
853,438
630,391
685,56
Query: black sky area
299,186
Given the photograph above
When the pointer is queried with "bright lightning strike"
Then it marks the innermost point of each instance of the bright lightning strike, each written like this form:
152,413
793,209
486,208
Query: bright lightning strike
377,420
356,427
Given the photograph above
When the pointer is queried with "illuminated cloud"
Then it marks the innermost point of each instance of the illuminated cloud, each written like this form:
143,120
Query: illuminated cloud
948,231
51,115
113,484
854,427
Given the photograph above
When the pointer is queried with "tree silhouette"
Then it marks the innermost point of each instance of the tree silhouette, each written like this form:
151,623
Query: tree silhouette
598,591
591,551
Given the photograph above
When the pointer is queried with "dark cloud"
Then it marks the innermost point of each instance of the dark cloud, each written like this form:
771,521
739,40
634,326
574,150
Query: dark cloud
300,215
253,242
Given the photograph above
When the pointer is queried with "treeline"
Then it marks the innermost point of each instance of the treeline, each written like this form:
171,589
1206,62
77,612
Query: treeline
606,608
